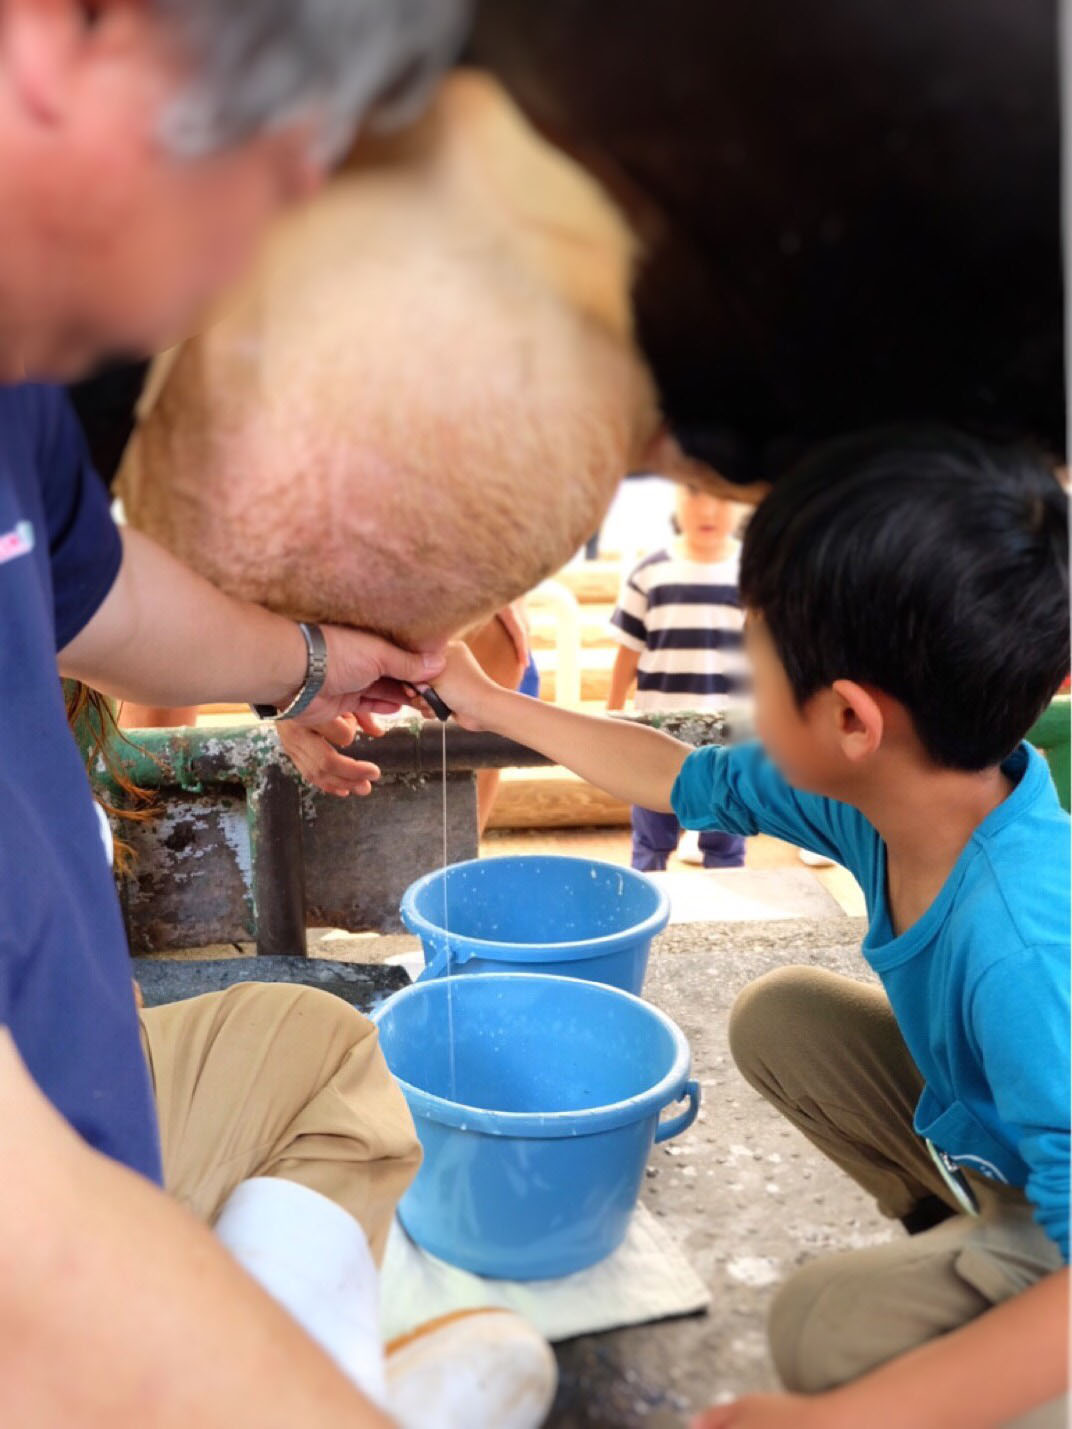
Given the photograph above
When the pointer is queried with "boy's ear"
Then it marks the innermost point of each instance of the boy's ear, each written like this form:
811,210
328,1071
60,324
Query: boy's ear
861,723
40,42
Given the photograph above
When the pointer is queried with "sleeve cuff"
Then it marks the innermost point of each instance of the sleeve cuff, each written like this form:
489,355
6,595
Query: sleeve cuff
76,607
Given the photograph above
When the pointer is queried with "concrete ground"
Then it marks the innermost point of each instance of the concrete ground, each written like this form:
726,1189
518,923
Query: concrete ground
742,1192
762,855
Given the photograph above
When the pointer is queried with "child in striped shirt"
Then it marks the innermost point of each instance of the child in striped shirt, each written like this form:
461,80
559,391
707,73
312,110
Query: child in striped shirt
678,625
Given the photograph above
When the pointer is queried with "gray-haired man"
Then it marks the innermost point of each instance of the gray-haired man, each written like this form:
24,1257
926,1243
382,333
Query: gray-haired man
144,144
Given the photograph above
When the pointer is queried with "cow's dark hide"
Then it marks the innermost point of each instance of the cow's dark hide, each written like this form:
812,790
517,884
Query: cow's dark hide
850,207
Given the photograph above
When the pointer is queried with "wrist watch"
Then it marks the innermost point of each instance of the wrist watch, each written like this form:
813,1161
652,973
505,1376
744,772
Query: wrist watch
316,672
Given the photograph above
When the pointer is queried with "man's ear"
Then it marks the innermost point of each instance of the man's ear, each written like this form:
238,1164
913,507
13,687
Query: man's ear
861,723
39,45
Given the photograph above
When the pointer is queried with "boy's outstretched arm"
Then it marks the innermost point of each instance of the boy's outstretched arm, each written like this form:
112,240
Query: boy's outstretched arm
635,764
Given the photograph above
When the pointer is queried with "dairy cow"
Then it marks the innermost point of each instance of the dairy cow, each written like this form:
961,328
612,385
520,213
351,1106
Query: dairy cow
422,399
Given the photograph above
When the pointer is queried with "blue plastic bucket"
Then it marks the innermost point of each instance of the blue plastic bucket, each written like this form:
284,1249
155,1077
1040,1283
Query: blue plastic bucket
576,917
533,1165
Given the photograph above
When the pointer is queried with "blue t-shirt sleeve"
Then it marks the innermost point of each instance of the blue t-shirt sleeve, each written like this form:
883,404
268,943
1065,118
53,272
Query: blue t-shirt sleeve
1019,1019
85,550
740,791
5,989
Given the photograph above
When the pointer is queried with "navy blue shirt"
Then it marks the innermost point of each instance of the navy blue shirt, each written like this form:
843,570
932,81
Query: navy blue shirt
65,975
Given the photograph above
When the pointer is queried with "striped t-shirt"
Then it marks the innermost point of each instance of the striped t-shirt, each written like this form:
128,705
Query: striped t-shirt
685,619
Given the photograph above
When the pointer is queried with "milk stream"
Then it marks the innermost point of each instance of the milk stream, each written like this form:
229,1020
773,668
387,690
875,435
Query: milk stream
446,922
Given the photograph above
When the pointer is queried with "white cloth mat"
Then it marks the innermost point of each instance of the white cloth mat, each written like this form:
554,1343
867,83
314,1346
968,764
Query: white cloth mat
647,1278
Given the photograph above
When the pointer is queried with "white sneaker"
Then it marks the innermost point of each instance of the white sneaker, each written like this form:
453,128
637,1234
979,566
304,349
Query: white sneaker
689,850
814,860
476,1369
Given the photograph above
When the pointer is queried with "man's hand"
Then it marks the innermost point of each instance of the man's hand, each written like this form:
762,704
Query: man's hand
314,751
367,675
774,1411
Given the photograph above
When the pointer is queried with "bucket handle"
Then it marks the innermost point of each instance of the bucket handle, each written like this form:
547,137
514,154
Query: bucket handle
438,966
681,1123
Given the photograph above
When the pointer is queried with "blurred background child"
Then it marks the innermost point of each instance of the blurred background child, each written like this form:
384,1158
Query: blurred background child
678,625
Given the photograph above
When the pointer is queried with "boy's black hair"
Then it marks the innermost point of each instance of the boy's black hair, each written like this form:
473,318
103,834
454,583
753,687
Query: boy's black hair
928,564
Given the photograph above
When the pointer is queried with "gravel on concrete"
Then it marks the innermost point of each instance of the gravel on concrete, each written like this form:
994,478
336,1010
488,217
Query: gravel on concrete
743,1193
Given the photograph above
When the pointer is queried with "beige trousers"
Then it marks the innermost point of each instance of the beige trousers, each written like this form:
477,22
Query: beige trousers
828,1053
273,1080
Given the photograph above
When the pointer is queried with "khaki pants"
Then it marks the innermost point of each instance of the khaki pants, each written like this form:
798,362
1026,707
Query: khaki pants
274,1080
826,1050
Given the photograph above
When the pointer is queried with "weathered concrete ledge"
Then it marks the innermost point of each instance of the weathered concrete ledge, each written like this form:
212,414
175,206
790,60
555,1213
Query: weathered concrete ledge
239,849
195,759
174,980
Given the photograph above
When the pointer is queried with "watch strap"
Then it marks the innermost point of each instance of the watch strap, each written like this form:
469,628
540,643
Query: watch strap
316,672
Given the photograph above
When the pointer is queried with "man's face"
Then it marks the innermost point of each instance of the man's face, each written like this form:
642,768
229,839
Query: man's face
125,244
139,271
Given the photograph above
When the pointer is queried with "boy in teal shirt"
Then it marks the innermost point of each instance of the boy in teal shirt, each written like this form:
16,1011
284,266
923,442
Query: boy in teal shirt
907,621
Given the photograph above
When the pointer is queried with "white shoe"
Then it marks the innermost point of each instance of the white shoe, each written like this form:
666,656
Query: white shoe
814,860
689,850
476,1369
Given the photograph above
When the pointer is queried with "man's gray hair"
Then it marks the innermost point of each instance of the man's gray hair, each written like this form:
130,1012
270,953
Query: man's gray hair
259,64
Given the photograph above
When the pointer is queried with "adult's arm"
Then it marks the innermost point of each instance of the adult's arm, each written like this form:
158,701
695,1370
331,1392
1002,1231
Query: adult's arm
165,636
117,1307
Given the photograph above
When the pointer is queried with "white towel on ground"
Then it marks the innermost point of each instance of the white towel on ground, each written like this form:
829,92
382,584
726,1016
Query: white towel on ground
647,1278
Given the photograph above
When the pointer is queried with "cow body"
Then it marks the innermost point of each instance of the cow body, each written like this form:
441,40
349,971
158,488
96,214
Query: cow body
846,213
422,400
849,208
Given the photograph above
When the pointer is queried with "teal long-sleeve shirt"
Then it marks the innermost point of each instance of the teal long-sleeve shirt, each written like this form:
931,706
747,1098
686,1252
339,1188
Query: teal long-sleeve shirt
979,985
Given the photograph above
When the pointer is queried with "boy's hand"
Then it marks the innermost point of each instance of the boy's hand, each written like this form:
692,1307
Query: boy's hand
775,1411
314,750
465,688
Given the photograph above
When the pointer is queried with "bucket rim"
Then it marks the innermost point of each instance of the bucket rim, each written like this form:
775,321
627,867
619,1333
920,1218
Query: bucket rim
568,950
551,1124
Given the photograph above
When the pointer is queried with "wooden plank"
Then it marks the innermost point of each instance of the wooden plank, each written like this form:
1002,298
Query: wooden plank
595,628
595,685
553,799
593,582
